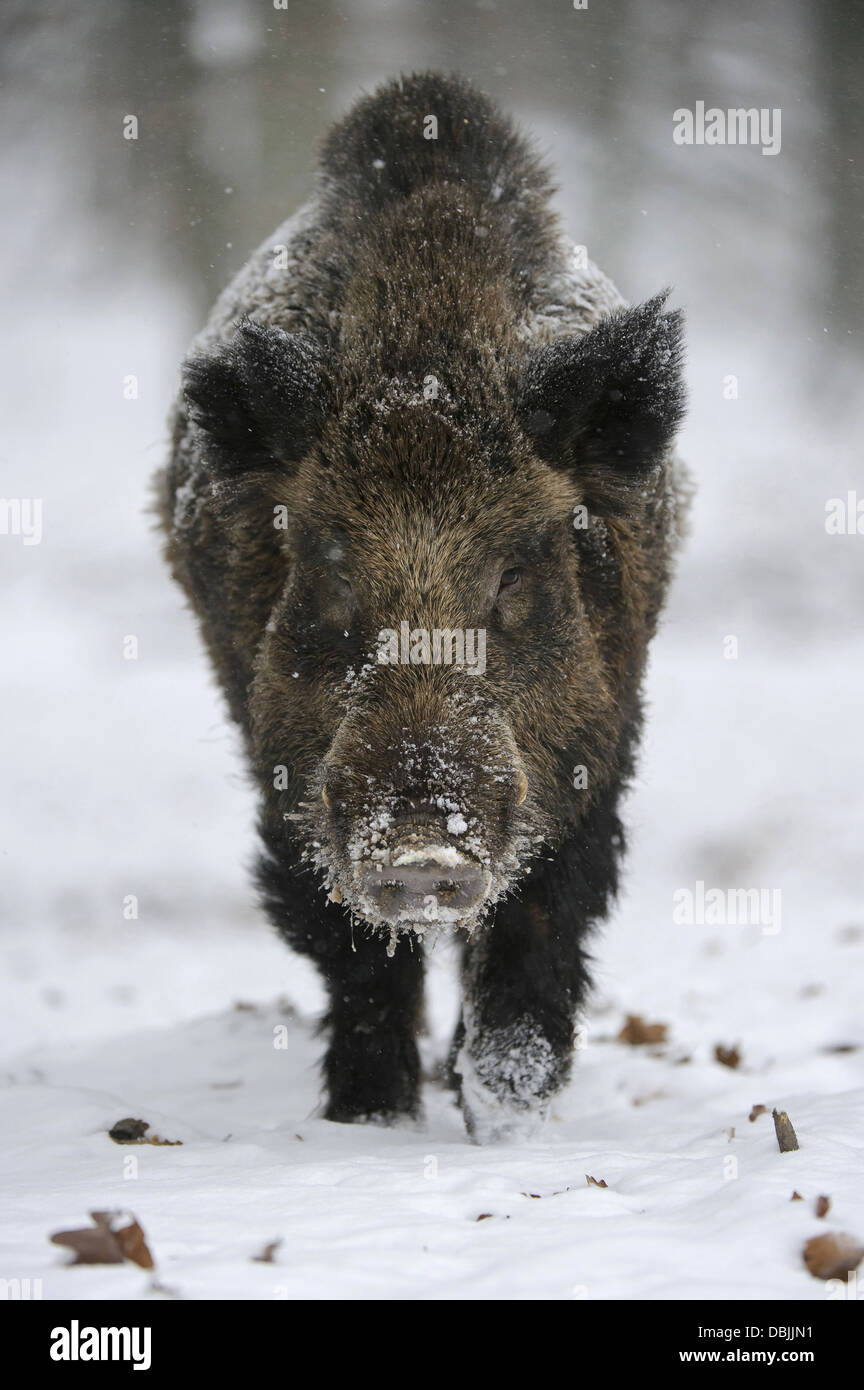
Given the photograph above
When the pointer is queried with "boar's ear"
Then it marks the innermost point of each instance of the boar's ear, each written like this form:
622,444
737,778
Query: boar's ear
257,398
607,404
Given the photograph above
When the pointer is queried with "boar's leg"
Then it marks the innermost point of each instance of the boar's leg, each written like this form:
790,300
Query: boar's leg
523,983
525,977
372,1067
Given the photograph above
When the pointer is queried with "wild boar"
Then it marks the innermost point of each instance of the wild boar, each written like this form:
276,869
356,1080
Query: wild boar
415,427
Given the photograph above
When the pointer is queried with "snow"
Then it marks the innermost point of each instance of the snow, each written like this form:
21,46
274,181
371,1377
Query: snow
446,855
381,1214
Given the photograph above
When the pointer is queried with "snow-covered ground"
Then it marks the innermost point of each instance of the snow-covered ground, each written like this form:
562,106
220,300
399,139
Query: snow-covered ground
364,1213
121,777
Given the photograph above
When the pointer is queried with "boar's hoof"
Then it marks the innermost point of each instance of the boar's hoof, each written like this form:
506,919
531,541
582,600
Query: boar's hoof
491,1121
507,1078
386,1119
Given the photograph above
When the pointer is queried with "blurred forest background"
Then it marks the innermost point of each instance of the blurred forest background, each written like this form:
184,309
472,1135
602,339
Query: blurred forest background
121,777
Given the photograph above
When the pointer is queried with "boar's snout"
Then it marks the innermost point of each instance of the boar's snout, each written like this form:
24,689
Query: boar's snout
425,885
417,873
419,824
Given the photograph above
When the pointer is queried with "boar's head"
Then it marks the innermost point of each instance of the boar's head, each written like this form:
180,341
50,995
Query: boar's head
512,521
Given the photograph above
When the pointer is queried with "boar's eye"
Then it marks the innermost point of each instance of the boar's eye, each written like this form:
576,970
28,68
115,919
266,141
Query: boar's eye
511,580
345,584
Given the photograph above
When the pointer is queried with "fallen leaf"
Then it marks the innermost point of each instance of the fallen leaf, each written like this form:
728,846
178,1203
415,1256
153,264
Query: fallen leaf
593,1182
128,1131
651,1095
133,1245
757,1111
90,1246
484,1216
786,1136
131,1131
535,1195
727,1056
637,1032
796,1197
833,1256
823,1206
107,1242
265,1256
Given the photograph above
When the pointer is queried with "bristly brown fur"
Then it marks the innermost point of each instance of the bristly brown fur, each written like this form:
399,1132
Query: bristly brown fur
422,397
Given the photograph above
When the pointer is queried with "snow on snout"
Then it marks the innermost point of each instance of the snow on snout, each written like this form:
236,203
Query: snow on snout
447,856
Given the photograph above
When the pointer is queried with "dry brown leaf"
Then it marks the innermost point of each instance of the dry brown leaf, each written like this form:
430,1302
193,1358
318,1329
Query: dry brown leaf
833,1256
786,1136
637,1032
265,1256
128,1131
823,1205
593,1182
757,1111
90,1245
796,1197
131,1131
727,1056
649,1096
133,1245
484,1216
107,1242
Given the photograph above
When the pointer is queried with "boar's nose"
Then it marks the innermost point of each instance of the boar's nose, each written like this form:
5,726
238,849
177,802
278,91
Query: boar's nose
424,890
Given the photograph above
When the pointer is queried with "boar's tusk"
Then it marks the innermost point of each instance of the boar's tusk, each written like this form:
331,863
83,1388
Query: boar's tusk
521,787
325,798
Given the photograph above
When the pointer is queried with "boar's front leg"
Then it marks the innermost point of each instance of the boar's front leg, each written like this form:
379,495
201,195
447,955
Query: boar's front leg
525,977
372,1067
523,981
